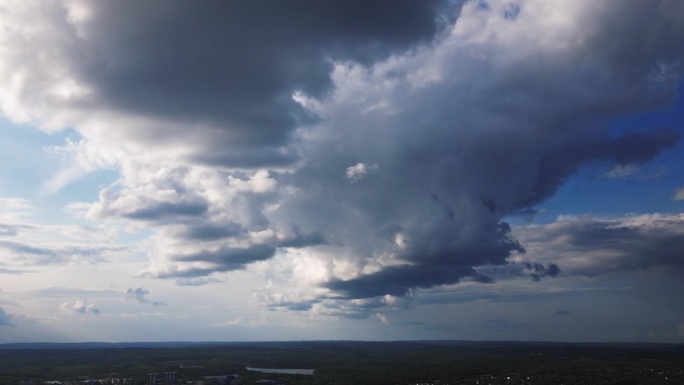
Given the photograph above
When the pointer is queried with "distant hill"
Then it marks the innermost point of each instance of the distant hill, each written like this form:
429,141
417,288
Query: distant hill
110,345
452,343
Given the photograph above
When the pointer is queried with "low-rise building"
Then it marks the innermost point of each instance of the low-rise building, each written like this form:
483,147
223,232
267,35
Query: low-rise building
226,379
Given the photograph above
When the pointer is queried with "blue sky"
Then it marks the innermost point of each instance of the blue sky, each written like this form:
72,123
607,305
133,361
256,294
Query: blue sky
644,189
477,170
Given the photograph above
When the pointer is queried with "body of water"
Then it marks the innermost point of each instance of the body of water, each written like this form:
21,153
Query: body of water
283,371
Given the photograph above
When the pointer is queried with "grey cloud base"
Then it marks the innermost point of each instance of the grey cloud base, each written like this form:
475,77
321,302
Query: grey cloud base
231,67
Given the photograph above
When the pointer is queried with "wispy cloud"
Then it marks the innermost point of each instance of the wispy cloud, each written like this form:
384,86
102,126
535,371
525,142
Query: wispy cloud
634,172
678,195
621,171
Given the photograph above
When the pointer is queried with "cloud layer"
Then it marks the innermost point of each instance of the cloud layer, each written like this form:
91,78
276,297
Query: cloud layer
594,246
360,150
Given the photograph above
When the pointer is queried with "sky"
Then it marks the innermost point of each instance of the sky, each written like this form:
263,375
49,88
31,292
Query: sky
325,170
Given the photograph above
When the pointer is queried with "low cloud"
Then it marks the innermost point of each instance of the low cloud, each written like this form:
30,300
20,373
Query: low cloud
139,295
80,306
358,171
5,319
538,270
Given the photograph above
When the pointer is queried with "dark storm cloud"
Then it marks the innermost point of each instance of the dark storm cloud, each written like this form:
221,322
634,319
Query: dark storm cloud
449,159
642,146
448,264
398,280
234,65
508,145
453,263
635,51
427,271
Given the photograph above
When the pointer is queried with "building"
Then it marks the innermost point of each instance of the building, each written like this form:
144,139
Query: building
170,378
226,379
122,381
151,378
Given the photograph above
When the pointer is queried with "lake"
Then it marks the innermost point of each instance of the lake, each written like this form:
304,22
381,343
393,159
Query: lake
283,371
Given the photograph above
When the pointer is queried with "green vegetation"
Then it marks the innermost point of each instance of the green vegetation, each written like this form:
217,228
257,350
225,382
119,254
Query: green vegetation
363,363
